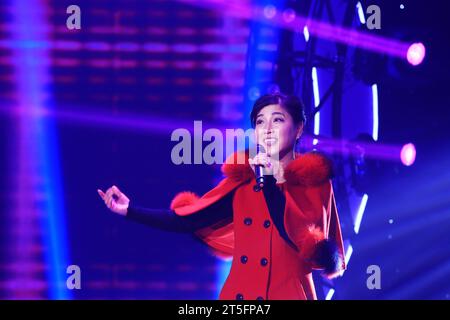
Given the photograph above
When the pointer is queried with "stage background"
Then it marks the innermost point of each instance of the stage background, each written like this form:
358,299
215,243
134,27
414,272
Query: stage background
86,109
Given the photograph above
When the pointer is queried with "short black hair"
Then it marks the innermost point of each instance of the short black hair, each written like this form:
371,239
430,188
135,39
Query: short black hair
292,104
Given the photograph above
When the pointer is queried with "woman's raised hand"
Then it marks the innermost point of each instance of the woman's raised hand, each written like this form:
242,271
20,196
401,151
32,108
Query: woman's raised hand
115,200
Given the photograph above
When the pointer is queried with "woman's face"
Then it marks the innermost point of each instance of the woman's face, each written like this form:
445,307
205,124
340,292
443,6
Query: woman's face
276,131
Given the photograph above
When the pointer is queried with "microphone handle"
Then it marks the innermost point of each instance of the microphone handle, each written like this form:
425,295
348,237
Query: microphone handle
259,172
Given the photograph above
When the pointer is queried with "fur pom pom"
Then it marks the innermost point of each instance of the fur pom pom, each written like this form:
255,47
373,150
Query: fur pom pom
183,199
236,167
321,253
309,169
327,257
309,240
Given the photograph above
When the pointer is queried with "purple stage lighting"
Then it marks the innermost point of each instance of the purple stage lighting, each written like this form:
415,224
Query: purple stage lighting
322,30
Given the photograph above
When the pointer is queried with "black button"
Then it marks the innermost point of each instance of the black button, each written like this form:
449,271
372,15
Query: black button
264,261
248,221
244,259
239,296
266,224
259,298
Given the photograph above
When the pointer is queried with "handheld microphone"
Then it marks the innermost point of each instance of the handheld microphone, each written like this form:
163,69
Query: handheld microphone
259,171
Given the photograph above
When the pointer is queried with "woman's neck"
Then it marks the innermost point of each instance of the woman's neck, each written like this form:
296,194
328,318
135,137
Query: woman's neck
284,161
287,158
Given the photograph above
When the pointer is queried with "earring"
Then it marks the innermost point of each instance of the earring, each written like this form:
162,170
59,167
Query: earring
293,151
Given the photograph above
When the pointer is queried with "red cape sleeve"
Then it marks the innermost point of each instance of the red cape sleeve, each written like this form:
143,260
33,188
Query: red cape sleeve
311,216
220,237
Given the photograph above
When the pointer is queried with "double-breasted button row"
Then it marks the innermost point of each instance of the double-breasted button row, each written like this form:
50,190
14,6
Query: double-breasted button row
240,296
263,261
248,221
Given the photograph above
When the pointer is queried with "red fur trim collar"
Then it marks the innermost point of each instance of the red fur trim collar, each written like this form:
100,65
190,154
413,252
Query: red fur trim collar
309,169
236,167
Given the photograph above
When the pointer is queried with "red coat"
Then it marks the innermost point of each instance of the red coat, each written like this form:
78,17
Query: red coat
264,264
